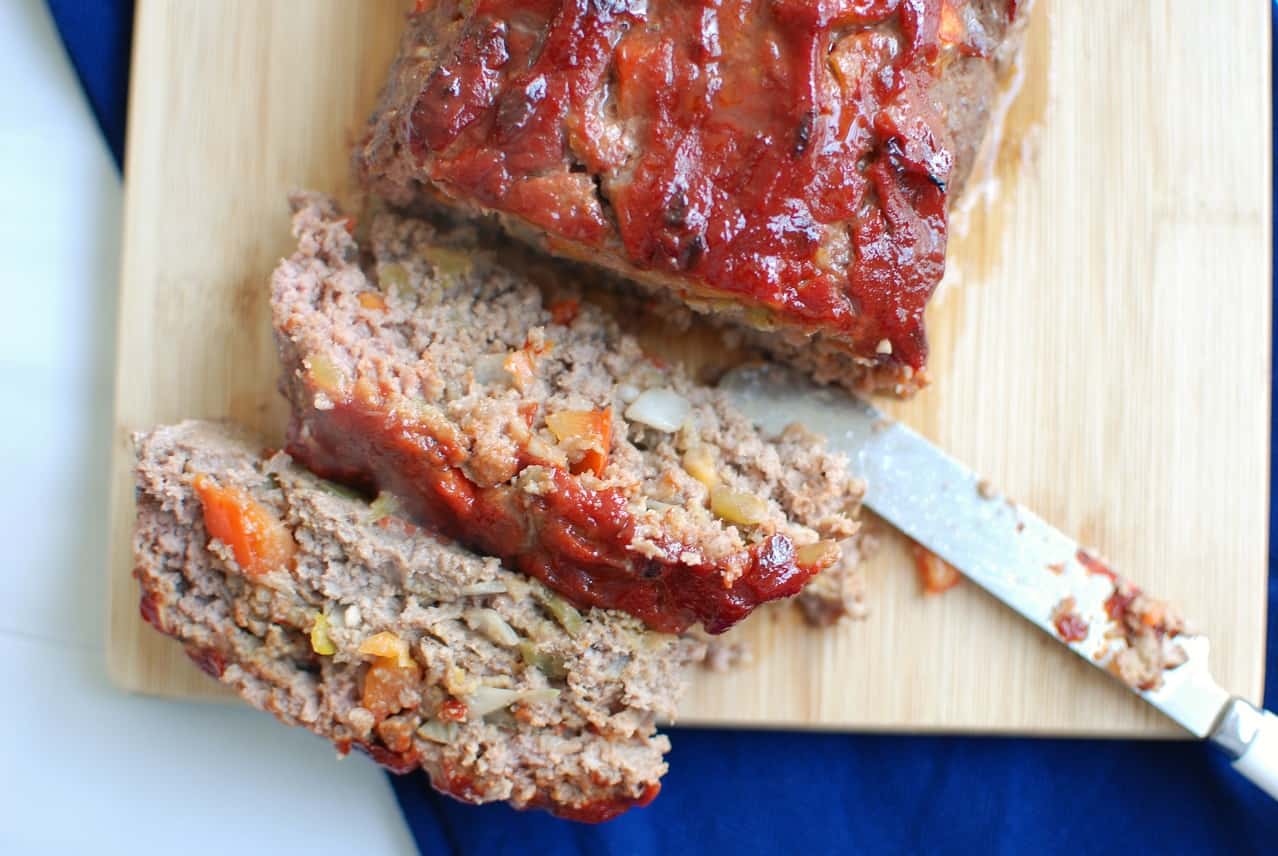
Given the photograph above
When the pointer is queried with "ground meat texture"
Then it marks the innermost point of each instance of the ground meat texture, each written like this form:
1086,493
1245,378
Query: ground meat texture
1145,631
1142,636
380,637
786,163
535,431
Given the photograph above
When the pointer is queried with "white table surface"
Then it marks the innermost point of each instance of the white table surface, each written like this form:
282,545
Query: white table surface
84,767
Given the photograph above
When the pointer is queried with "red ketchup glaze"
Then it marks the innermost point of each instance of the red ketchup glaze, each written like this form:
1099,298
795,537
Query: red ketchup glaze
599,810
573,539
1118,603
149,608
210,660
1093,565
1071,627
462,787
456,785
762,160
453,710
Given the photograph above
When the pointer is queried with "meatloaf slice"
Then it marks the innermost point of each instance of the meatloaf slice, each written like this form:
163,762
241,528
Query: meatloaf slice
538,432
785,163
337,617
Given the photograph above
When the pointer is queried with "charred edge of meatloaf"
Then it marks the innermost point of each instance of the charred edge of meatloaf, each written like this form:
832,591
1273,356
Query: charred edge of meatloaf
435,373
573,697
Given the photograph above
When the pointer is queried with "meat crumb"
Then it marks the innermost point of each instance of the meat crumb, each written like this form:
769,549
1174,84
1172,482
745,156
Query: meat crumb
723,655
1069,625
1146,629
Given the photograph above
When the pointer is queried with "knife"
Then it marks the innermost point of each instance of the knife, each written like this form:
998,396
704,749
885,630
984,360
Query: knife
1013,554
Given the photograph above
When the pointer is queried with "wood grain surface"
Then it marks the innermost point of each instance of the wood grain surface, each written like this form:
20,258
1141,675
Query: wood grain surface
1100,347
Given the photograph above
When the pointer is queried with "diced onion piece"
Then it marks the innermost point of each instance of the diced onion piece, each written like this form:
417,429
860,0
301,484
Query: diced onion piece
487,587
548,664
563,611
485,700
542,695
449,264
385,505
660,408
326,375
738,507
490,370
352,617
822,554
699,462
438,732
320,642
518,587
519,365
393,275
490,623
338,490
388,646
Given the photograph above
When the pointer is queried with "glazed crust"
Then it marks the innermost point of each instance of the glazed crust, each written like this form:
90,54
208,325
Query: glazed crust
807,201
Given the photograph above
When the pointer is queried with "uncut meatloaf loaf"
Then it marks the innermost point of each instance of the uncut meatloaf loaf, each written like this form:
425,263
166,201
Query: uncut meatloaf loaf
535,431
786,164
333,615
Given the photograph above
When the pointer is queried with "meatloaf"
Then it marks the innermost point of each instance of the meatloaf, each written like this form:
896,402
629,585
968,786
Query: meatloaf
784,163
342,618
534,430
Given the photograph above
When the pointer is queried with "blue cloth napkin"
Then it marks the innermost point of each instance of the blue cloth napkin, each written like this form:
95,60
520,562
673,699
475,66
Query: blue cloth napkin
748,792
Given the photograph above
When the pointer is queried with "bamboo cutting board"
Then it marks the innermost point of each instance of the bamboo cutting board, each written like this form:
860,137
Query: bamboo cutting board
1101,344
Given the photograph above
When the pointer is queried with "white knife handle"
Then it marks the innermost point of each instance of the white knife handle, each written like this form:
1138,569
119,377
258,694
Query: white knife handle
1259,762
1250,736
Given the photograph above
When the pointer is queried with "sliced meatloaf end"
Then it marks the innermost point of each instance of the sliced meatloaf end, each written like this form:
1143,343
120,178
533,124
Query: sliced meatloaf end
354,624
536,431
783,164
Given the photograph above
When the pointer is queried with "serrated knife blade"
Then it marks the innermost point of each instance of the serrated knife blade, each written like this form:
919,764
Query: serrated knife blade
1006,549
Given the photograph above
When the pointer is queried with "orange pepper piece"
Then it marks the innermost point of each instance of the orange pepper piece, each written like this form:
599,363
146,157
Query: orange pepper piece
936,574
593,428
260,542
